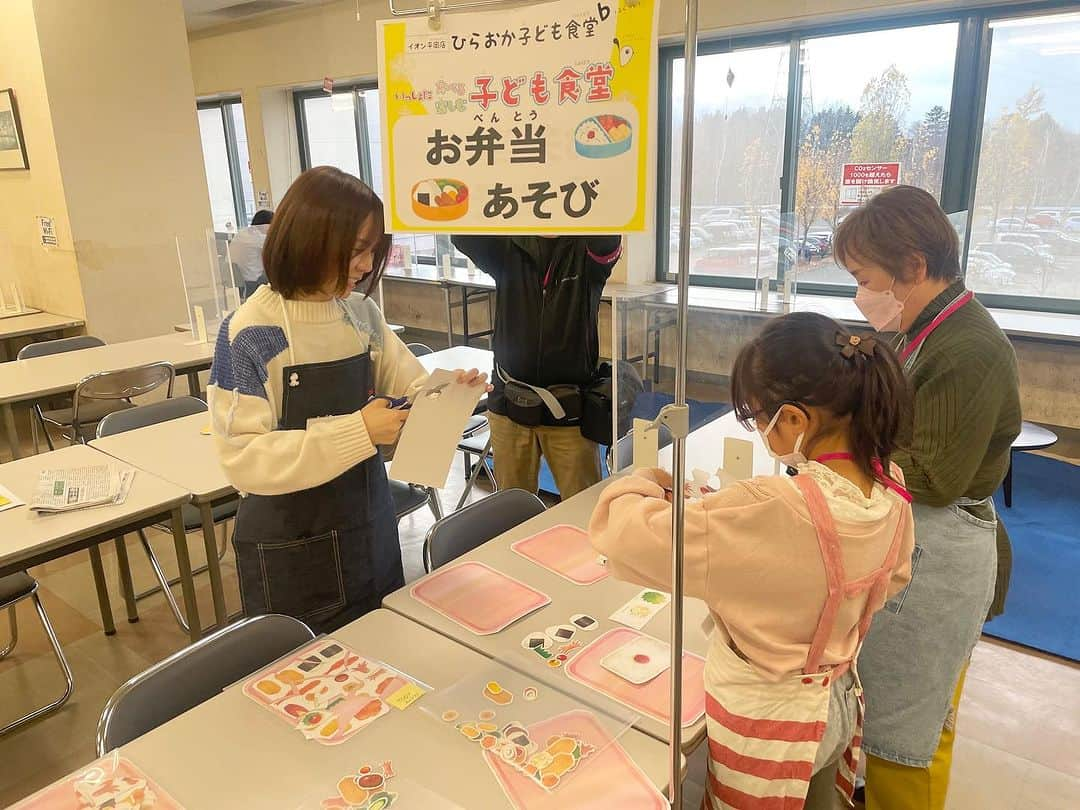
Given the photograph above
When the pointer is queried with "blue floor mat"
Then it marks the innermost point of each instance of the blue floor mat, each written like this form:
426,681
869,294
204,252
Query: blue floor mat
646,406
1043,607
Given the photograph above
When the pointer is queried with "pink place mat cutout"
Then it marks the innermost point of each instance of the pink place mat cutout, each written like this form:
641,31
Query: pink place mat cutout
115,776
566,550
652,698
478,597
607,778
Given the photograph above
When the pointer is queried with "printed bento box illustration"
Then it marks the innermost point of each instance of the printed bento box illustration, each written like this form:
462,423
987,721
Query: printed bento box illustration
327,691
578,762
603,136
112,783
440,199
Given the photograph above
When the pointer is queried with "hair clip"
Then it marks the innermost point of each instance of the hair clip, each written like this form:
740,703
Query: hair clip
849,344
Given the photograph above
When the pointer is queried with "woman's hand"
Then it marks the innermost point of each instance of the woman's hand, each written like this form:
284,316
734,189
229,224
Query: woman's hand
383,423
473,378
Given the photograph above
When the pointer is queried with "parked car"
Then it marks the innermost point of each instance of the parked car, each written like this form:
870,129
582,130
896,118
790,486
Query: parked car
1072,225
1045,219
1023,258
1058,242
1013,224
988,267
698,237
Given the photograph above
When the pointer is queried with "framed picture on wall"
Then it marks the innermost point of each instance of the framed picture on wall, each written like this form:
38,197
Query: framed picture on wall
12,145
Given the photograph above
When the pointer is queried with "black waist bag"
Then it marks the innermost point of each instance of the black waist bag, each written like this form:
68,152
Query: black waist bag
597,403
532,406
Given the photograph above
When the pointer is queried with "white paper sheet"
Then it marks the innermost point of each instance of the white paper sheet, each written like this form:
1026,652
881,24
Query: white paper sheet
432,432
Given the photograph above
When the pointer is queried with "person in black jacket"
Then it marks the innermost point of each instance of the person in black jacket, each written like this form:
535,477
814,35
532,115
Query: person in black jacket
547,301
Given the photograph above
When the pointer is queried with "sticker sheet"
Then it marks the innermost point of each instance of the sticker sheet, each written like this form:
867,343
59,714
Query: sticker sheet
328,692
607,777
652,696
110,783
566,551
476,596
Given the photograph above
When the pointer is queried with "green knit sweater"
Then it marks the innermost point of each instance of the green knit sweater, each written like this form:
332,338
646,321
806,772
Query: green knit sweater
966,415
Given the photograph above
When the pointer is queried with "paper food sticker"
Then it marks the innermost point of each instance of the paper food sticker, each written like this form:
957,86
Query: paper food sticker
329,693
497,695
638,611
110,783
365,789
583,621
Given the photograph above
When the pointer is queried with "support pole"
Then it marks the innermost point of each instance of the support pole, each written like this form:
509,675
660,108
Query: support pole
678,500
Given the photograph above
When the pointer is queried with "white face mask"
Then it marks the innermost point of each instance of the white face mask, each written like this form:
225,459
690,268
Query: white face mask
792,459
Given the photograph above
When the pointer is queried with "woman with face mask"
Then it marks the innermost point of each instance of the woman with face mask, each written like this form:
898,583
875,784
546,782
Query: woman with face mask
904,255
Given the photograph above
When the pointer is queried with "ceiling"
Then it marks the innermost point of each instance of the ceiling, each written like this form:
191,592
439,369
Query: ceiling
208,13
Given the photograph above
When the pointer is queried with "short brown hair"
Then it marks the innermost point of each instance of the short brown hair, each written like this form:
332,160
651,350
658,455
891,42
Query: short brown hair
314,231
894,225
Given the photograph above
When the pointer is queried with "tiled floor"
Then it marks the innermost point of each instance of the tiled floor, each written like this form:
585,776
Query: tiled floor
1019,726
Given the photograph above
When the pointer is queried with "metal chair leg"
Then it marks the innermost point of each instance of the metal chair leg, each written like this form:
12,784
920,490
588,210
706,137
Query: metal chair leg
14,622
434,503
69,680
223,549
480,464
163,582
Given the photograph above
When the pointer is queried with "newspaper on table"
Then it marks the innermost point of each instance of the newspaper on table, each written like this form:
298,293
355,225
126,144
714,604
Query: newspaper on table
80,487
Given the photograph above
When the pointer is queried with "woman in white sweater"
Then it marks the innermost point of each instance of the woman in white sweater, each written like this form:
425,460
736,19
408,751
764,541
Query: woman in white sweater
300,396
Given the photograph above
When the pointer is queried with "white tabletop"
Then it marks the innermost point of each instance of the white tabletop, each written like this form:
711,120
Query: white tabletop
231,752
176,451
599,600
24,534
35,323
59,373
463,357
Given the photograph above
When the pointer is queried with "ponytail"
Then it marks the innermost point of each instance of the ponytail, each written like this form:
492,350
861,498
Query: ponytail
809,358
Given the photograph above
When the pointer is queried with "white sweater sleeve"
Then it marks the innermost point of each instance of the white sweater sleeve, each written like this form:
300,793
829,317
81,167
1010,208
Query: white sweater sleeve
261,460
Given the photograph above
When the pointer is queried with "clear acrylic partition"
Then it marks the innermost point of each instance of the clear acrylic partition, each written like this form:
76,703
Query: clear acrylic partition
209,288
12,295
537,740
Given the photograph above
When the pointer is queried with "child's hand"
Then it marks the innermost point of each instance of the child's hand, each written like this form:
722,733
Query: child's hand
383,423
473,378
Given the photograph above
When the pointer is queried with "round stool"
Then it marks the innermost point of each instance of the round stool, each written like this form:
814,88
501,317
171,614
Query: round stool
1032,437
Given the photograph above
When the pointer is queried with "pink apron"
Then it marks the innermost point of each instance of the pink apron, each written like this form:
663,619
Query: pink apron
764,735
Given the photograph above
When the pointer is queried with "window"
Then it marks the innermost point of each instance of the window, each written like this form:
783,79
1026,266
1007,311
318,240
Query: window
343,129
871,97
977,107
739,120
228,169
1025,238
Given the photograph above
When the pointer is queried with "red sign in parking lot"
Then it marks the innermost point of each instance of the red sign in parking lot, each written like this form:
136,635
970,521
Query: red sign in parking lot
861,181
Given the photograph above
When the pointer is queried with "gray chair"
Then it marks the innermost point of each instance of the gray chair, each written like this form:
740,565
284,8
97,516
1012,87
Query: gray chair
477,523
419,349
623,451
153,414
62,417
409,498
476,444
117,386
195,674
13,589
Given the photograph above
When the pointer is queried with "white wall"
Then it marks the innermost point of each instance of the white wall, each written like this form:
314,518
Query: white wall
122,102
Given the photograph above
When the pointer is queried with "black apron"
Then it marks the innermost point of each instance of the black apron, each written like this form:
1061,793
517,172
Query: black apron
325,555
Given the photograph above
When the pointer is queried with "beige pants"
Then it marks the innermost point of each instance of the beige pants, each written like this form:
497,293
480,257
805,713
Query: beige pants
574,460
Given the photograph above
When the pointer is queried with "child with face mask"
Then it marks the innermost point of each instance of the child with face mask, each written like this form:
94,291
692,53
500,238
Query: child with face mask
792,566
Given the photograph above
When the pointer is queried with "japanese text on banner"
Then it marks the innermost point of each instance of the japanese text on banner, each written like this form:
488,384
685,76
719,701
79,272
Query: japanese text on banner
541,126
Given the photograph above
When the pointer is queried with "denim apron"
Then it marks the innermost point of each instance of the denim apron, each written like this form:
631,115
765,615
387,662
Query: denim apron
329,554
920,641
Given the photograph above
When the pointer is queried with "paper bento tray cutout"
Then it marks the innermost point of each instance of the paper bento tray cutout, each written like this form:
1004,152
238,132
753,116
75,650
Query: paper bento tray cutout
652,698
476,596
565,550
110,783
329,692
607,777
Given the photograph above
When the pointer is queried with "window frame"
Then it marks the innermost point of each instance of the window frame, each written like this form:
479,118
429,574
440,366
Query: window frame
360,123
232,153
971,72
